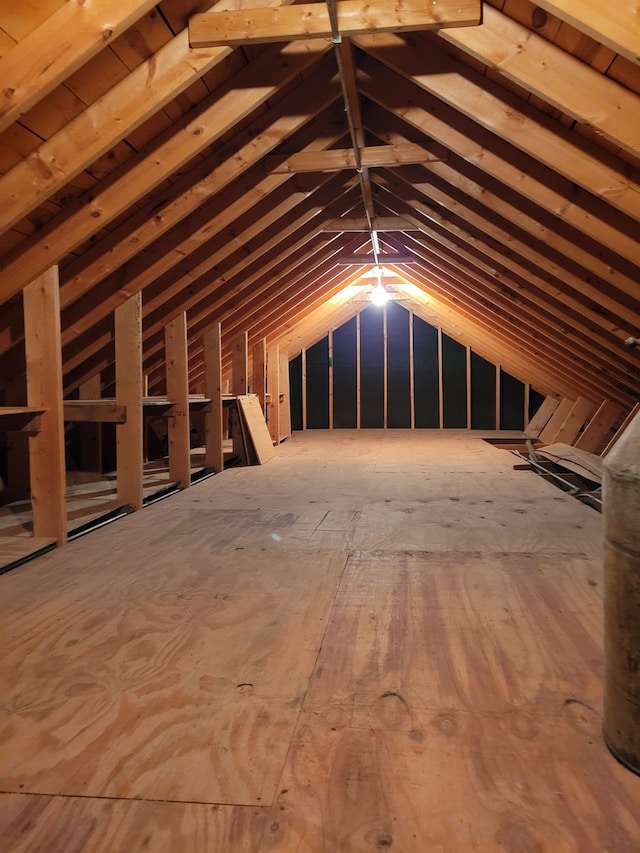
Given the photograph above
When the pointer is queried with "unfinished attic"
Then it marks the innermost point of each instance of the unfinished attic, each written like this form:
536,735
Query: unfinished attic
282,289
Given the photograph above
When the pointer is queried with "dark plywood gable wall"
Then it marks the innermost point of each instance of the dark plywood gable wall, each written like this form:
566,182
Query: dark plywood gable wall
388,367
503,158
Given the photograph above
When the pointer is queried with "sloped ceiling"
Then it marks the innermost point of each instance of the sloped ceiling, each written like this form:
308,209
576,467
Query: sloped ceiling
135,162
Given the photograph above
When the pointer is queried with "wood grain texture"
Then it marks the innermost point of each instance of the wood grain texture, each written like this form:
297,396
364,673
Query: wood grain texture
271,661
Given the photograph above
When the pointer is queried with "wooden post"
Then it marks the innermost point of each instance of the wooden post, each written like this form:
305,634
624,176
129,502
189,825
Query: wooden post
330,340
43,352
468,387
284,406
129,443
91,433
259,372
175,342
240,364
273,385
412,379
303,360
213,421
358,383
440,382
385,367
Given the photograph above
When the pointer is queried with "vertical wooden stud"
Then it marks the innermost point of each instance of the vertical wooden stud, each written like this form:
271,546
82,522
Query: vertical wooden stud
44,390
129,443
358,382
412,381
303,356
385,369
240,364
468,387
178,392
498,400
259,372
330,378
440,382
273,386
213,421
284,405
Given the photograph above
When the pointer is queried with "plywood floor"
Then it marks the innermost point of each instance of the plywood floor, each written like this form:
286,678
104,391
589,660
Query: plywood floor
377,640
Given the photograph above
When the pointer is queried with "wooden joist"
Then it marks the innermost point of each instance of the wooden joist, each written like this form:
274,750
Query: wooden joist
312,20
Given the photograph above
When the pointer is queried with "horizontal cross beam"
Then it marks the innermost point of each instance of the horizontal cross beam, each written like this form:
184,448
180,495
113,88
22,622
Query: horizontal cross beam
311,20
336,159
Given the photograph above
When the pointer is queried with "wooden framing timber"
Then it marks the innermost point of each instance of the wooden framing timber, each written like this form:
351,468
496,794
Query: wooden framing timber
44,392
178,394
312,20
129,435
337,159
617,25
59,46
213,423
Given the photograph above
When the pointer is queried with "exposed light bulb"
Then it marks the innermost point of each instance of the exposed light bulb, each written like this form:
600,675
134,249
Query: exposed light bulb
379,295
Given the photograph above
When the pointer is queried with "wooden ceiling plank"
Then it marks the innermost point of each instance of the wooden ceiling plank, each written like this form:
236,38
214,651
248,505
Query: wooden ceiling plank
554,75
311,20
122,109
240,98
337,159
493,155
616,25
509,118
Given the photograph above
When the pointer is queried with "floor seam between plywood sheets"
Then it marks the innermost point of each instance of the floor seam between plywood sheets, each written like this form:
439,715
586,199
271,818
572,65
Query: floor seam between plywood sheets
62,795
278,786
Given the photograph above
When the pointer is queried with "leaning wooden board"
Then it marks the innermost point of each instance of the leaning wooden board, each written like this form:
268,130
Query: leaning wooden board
250,411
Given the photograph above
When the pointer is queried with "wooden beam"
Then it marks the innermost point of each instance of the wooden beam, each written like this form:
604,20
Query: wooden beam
259,372
20,419
616,25
94,411
178,394
284,402
238,99
129,435
311,20
483,111
273,387
380,224
336,159
213,421
156,81
44,391
553,74
240,370
59,46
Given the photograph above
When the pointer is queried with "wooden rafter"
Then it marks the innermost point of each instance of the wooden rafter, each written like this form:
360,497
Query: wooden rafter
58,47
545,70
616,25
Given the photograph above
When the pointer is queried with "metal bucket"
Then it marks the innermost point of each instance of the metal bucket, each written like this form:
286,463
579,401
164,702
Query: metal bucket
621,503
